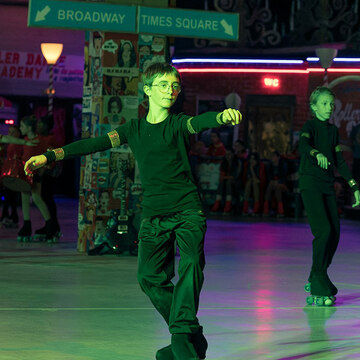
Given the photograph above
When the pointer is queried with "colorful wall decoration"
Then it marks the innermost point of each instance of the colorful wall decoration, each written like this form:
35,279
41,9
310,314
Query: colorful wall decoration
112,96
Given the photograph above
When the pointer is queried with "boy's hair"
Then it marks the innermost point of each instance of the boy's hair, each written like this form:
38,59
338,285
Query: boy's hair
158,69
30,120
316,93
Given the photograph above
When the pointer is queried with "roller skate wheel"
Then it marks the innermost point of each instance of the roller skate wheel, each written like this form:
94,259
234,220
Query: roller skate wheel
307,287
309,300
328,301
319,301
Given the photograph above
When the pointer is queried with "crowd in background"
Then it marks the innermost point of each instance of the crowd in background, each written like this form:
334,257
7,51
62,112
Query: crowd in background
249,185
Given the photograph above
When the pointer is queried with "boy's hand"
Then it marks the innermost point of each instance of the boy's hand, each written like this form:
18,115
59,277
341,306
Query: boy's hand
322,161
357,198
231,116
35,162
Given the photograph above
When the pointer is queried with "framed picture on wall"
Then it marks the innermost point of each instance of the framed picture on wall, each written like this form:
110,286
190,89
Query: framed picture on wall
268,123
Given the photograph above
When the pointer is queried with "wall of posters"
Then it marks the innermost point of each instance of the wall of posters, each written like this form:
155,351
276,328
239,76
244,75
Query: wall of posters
112,96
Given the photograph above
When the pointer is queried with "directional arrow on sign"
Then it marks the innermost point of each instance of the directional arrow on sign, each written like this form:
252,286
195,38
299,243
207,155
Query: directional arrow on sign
40,15
227,27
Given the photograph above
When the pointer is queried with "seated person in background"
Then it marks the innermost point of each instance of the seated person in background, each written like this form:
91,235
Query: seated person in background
240,150
230,170
277,184
216,149
197,151
254,179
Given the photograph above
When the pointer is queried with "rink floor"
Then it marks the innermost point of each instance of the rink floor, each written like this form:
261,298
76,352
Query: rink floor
58,304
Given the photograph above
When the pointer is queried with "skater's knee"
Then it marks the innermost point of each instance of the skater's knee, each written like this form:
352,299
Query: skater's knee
193,260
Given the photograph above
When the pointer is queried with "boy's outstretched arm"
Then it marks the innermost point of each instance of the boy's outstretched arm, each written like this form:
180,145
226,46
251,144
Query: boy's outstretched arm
213,119
77,148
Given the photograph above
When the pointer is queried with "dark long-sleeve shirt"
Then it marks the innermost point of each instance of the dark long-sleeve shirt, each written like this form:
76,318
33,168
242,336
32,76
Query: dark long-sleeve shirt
161,151
321,137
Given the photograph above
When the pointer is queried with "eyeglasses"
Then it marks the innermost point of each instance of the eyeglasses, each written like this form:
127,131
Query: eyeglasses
165,86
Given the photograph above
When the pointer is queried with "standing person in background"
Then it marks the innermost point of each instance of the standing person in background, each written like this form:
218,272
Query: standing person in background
28,129
216,149
44,127
230,170
254,181
14,151
172,210
276,184
320,153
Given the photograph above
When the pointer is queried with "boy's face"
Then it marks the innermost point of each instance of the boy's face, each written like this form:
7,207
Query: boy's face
164,91
324,106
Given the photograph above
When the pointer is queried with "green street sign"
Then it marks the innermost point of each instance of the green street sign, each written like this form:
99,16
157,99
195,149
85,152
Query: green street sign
188,23
122,18
82,16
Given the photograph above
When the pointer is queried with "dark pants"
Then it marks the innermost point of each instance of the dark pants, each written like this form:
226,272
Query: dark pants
47,193
325,226
178,304
11,200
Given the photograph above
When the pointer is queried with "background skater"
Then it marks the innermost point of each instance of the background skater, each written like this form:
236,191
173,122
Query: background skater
320,152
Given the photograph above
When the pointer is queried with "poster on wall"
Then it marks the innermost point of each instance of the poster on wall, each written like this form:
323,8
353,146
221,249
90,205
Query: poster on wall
95,61
118,110
121,65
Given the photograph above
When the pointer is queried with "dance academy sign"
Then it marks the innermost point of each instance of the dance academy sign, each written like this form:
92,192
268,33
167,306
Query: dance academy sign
32,66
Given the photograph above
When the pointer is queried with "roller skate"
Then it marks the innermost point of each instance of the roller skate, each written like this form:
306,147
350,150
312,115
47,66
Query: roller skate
52,233
40,234
321,289
333,289
24,234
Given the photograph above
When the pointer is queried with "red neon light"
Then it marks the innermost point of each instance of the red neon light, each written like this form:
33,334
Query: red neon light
268,71
231,70
271,82
9,122
343,70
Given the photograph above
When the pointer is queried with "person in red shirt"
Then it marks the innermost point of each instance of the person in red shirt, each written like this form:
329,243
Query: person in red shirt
216,148
14,151
28,129
43,129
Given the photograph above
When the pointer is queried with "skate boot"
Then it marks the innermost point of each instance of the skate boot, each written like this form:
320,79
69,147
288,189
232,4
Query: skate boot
320,291
52,235
24,234
227,208
333,288
182,347
40,234
216,206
